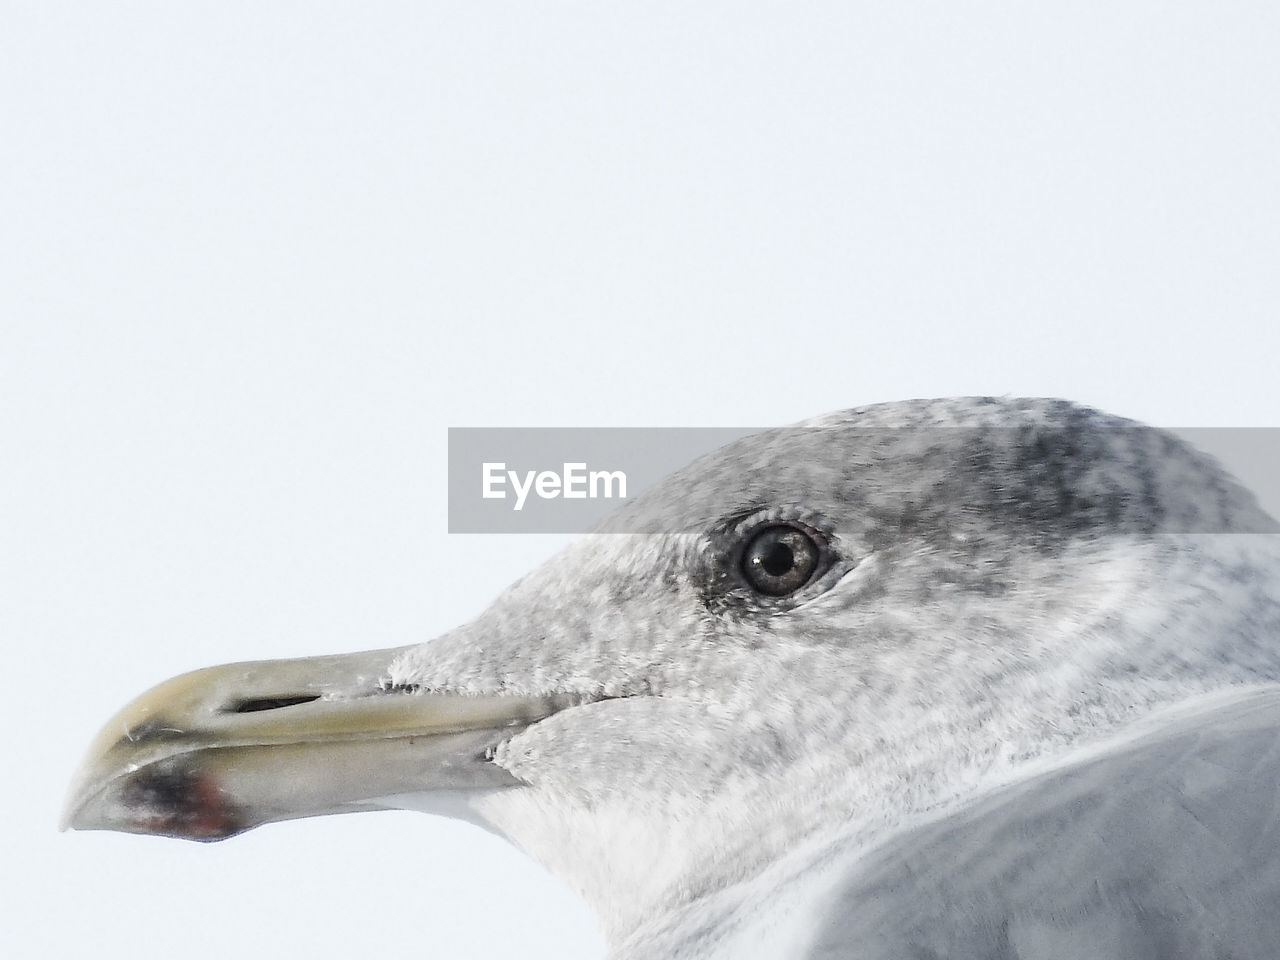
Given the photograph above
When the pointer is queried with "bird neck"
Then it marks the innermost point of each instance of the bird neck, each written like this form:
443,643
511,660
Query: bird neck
1035,685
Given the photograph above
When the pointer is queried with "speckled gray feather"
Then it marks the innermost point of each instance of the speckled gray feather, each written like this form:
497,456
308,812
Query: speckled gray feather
1012,583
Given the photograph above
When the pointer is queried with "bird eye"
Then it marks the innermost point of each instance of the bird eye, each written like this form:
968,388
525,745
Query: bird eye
780,559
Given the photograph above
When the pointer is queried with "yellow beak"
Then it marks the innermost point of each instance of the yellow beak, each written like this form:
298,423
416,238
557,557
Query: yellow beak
215,752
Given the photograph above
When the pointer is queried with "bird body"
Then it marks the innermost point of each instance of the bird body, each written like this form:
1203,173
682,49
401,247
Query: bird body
1154,843
930,679
1162,846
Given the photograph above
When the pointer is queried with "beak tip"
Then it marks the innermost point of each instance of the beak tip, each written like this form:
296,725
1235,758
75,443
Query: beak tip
78,810
69,818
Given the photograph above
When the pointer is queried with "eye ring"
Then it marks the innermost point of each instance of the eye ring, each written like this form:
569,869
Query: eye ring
780,558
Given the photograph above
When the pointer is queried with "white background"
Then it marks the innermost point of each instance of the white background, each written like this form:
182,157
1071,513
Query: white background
256,257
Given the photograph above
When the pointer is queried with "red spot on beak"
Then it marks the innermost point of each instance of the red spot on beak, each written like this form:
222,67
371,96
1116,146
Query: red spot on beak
175,802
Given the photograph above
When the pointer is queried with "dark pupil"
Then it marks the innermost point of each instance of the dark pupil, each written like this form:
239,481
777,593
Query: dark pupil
778,559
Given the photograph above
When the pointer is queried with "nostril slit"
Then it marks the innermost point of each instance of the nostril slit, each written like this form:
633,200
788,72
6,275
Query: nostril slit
258,704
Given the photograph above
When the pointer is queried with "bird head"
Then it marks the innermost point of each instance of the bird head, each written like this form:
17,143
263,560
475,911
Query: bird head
836,625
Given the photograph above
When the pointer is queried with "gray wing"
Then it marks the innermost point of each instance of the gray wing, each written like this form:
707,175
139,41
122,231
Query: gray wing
1166,849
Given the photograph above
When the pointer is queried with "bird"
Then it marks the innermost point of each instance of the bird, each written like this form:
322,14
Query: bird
979,677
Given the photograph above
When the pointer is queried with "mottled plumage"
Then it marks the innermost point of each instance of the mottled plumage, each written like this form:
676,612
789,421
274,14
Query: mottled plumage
1045,644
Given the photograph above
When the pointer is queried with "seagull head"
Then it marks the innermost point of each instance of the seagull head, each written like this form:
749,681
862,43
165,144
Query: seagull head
833,627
